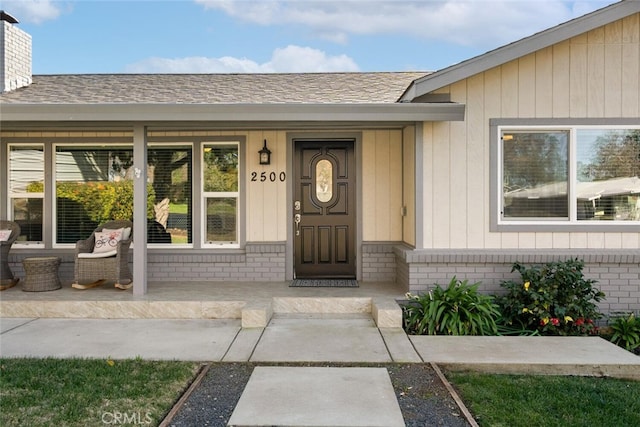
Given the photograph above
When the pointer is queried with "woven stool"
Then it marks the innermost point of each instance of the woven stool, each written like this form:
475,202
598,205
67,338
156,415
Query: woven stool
41,274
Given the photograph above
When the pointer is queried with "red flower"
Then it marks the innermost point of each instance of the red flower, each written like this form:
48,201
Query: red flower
579,321
555,321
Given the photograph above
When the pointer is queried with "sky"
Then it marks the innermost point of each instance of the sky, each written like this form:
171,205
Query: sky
267,36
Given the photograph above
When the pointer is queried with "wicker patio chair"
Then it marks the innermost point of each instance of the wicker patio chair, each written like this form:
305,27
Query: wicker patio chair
96,268
6,275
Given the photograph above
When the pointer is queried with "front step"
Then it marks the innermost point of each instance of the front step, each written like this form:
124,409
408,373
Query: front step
253,314
385,311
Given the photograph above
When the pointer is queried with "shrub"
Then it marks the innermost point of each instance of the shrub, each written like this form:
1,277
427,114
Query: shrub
554,299
457,310
626,331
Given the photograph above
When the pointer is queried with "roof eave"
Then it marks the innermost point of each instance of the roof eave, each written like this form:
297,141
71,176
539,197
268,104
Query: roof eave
519,49
232,112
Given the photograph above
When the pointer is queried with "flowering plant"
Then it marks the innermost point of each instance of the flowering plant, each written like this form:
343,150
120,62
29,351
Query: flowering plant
553,299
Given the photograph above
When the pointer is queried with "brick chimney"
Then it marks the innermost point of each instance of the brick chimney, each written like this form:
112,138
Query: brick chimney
15,55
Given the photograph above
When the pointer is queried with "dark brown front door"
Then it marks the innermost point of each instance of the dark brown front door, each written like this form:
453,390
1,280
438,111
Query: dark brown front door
324,209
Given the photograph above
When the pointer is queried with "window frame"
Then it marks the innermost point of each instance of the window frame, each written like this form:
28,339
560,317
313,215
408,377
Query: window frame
11,195
87,146
237,195
571,224
186,145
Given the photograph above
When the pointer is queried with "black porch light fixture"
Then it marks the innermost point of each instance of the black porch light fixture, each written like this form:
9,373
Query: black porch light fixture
265,154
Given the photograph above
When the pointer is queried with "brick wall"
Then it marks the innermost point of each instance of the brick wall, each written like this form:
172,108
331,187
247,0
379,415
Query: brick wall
15,54
617,272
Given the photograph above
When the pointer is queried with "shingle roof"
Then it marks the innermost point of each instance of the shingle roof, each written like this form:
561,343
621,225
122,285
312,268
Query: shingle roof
305,88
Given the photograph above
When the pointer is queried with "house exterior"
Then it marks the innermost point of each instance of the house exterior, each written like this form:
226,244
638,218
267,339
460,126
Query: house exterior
529,153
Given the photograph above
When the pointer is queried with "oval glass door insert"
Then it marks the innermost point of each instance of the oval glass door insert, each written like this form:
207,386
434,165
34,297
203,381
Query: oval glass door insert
324,181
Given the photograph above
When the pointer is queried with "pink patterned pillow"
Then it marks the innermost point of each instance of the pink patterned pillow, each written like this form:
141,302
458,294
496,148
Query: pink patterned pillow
107,241
4,235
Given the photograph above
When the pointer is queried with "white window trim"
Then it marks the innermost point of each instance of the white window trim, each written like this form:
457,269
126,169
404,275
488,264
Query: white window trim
204,195
497,223
11,195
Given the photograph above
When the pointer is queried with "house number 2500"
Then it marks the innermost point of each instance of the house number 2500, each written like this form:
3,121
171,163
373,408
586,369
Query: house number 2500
264,176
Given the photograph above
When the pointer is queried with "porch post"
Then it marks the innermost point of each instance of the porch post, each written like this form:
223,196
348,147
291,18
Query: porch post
140,210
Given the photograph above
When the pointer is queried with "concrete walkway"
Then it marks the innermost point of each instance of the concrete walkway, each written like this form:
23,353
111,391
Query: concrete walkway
346,338
349,338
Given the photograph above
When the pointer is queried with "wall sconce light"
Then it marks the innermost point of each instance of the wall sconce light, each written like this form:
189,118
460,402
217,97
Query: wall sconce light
265,155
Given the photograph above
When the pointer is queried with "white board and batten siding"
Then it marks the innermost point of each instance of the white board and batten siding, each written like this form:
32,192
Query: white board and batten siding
593,75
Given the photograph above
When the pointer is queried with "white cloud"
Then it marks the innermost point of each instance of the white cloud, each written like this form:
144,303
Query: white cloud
480,23
291,59
33,11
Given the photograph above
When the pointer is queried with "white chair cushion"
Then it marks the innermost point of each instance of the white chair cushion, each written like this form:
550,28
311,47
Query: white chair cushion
99,254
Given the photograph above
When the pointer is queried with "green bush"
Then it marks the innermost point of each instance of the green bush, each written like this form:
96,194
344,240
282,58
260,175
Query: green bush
553,299
626,331
457,310
101,201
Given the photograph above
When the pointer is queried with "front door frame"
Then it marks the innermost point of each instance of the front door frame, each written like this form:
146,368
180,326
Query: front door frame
292,137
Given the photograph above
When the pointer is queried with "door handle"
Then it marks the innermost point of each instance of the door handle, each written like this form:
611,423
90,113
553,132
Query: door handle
297,218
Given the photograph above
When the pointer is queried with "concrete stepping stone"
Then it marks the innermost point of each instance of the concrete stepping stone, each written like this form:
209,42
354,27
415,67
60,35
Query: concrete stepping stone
321,339
318,396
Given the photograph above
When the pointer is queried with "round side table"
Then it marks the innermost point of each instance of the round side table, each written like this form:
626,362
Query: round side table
41,274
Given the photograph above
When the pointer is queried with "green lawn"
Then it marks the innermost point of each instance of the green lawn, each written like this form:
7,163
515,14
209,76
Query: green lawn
83,392
513,400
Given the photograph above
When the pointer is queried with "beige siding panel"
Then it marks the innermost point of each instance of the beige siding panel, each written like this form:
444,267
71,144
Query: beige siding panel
561,240
283,203
561,79
578,240
596,84
613,80
409,185
613,240
255,192
369,192
458,167
544,83
527,86
383,185
630,80
440,209
394,206
509,90
492,107
428,185
510,240
526,240
478,159
630,241
266,201
578,82
544,240
595,240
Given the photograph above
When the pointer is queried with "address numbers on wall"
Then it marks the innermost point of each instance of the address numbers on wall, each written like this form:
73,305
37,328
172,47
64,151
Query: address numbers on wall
268,176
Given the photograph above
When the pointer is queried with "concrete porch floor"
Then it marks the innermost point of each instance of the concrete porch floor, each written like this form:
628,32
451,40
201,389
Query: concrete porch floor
252,302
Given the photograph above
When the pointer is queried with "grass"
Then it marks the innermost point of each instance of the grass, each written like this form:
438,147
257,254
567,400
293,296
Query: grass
512,400
82,392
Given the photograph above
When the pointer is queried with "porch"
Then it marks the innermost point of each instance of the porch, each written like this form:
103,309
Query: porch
252,302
